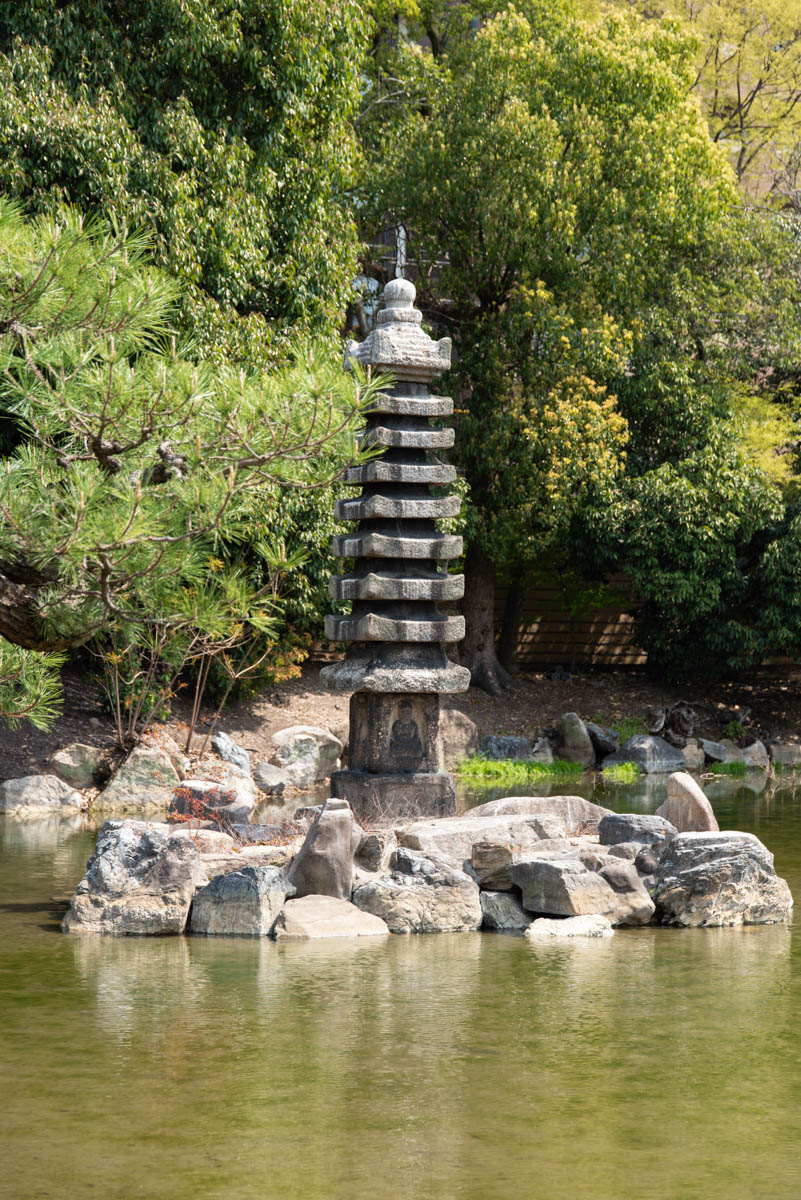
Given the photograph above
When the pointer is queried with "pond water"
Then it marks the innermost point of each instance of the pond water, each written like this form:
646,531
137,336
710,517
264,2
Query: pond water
462,1067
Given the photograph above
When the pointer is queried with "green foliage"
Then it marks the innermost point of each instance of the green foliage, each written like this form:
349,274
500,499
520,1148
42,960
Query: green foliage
225,129
627,772
30,689
513,770
734,730
737,769
138,472
625,727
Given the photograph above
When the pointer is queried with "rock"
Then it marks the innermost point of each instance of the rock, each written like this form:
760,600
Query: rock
575,743
207,840
254,835
324,863
787,754
713,751
577,814
545,928
77,764
491,864
605,740
652,754
307,753
270,780
229,752
503,912
139,880
422,895
455,837
562,888
145,781
243,903
458,736
635,906
505,746
325,917
646,860
686,807
162,741
754,755
719,879
213,864
542,752
231,801
694,757
625,850
374,849
634,827
38,795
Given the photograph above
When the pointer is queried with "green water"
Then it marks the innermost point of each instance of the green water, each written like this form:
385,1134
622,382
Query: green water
659,1063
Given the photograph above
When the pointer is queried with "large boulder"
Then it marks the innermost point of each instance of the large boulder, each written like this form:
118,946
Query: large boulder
422,895
785,754
576,814
454,837
563,888
694,757
754,755
458,736
686,807
143,783
713,751
634,827
231,753
652,754
242,903
307,753
634,905
139,880
324,864
605,740
39,796
545,929
500,746
231,801
270,780
78,764
325,917
575,743
503,912
723,878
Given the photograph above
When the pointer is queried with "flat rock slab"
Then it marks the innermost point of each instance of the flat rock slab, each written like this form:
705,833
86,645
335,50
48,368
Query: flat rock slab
39,796
243,903
545,929
325,917
454,837
563,888
577,814
725,878
634,827
687,807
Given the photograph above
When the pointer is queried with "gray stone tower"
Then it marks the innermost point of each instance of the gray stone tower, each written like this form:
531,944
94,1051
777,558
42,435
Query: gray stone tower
396,665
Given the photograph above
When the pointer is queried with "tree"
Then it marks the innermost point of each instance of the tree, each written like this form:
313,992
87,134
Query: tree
135,471
224,129
571,223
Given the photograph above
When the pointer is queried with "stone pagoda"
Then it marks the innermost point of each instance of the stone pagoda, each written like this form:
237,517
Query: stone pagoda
396,664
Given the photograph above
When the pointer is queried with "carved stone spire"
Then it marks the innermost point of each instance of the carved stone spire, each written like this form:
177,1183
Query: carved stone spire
396,663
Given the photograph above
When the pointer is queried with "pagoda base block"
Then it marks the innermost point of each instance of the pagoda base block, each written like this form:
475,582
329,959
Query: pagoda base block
399,796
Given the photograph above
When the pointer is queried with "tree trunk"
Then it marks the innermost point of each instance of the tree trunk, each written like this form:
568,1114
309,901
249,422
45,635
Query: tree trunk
20,622
478,647
510,626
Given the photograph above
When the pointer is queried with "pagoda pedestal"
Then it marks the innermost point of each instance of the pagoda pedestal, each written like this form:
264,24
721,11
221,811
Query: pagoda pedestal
396,665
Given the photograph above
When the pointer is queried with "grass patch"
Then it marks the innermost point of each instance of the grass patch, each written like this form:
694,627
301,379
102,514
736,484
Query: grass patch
737,769
627,772
625,728
513,770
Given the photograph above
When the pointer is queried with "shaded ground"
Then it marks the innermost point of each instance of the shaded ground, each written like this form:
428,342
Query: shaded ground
534,704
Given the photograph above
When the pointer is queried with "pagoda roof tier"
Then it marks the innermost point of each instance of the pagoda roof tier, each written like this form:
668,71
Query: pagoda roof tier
381,471
372,627
385,545
412,406
365,507
378,585
408,439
